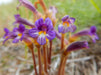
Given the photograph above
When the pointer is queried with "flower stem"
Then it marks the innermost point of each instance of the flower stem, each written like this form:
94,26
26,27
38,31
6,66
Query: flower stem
61,70
43,5
45,58
50,54
62,41
31,48
39,59
62,66
34,62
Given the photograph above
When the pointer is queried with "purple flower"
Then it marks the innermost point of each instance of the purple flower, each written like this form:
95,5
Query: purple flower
6,32
17,34
28,5
68,19
77,45
22,21
53,11
89,32
43,32
67,25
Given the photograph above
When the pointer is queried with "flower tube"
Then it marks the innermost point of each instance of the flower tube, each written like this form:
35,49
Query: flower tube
20,20
87,32
30,6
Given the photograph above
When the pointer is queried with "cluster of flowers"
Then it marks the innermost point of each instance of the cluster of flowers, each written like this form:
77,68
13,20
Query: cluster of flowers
42,32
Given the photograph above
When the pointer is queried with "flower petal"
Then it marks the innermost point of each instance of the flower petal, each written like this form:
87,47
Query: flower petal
33,32
72,20
60,28
65,18
6,32
77,45
93,29
51,35
21,28
72,28
41,39
5,40
22,37
16,40
49,24
39,22
63,29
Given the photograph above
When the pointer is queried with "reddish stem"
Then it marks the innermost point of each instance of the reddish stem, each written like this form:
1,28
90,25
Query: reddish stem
34,62
62,41
50,54
43,5
62,66
64,57
45,58
39,59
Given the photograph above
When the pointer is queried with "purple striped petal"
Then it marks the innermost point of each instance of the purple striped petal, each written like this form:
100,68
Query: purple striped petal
93,29
21,28
62,29
41,39
28,5
49,24
72,28
77,45
39,22
6,32
22,36
65,18
93,34
33,32
15,29
50,35
72,20
16,40
22,21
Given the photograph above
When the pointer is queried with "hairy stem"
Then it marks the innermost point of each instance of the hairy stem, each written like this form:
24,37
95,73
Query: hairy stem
34,62
39,59
62,41
64,57
31,48
62,66
45,58
50,54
